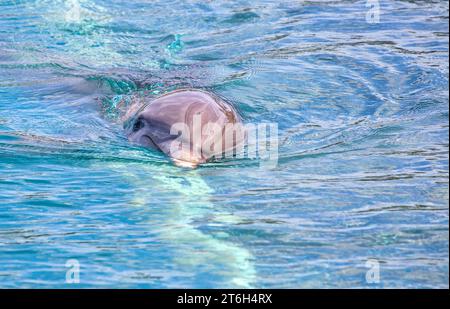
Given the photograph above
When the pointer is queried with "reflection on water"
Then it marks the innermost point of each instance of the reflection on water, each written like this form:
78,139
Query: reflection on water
362,110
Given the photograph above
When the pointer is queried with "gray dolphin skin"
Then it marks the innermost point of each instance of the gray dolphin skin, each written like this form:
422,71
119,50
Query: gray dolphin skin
188,125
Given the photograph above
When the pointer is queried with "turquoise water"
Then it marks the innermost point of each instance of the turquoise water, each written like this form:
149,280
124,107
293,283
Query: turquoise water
362,175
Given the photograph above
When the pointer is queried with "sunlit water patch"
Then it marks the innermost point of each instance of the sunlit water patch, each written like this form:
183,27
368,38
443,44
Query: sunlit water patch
362,173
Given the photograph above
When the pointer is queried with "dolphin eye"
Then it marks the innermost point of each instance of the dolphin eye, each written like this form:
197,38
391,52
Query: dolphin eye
139,124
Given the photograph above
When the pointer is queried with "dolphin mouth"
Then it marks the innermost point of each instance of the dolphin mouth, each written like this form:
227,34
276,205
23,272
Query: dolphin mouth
148,141
181,159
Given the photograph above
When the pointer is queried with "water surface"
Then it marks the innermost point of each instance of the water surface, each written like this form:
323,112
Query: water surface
362,110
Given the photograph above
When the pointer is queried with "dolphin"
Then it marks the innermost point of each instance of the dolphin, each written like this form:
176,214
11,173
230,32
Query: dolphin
191,126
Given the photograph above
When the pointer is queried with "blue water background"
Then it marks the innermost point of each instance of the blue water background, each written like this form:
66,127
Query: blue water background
362,175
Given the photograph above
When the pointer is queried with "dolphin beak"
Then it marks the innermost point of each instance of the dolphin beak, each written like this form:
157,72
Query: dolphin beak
181,157
185,164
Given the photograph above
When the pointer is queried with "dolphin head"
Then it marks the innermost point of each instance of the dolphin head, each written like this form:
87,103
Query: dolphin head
187,125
